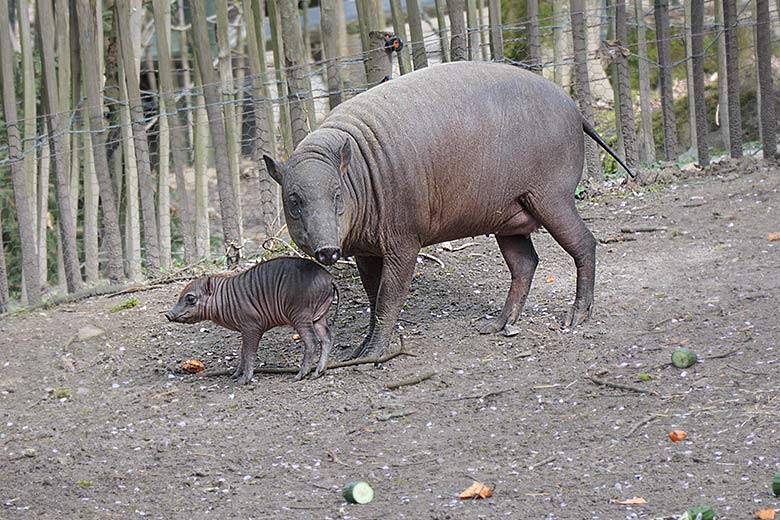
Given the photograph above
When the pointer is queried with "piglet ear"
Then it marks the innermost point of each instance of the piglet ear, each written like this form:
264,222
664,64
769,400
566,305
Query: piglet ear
346,156
273,168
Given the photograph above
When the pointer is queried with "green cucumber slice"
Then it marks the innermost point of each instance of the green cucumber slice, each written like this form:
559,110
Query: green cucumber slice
359,492
776,484
683,358
701,513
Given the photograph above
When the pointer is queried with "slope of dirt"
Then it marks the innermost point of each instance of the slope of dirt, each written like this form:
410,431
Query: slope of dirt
107,428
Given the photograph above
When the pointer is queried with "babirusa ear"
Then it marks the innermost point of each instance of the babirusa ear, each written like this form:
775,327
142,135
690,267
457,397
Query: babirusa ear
273,168
346,156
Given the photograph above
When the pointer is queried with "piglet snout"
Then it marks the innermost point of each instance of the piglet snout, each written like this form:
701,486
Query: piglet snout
169,315
328,255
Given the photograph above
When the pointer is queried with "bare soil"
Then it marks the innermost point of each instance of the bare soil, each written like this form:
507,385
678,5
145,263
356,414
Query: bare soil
108,427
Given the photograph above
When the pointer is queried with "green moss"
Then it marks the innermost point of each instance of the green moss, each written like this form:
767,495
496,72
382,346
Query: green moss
127,304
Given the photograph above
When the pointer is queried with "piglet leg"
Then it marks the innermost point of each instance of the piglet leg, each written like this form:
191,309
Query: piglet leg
250,339
326,342
310,344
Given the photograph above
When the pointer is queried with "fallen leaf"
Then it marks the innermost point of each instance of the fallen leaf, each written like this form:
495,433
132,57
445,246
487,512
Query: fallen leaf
773,236
677,435
476,490
765,514
193,366
549,278
630,501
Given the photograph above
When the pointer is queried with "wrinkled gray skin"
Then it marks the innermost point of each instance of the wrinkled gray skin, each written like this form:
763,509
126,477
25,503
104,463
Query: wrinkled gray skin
282,291
447,152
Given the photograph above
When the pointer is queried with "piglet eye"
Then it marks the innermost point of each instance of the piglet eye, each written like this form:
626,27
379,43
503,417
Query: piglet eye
339,200
190,298
294,206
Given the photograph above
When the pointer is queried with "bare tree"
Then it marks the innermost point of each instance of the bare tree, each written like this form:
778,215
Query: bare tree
45,22
582,83
647,141
4,296
444,42
230,225
399,27
496,34
534,47
30,130
561,43
689,76
459,42
624,86
473,29
200,163
277,42
419,55
330,50
764,55
24,213
165,71
665,78
697,48
723,91
732,76
379,61
297,83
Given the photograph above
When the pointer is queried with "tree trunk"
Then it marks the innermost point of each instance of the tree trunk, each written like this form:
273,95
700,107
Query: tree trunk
45,21
112,241
399,27
444,43
263,136
459,42
379,61
483,31
91,202
65,82
496,35
647,142
689,77
186,76
297,83
723,92
561,42
4,296
164,187
582,84
232,135
627,128
258,11
330,50
697,48
200,165
132,211
364,24
275,23
764,54
30,130
419,55
472,22
165,71
228,205
730,24
24,210
534,47
150,230
665,78
44,168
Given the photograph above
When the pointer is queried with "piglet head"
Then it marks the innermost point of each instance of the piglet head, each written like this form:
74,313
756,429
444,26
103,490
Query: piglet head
191,307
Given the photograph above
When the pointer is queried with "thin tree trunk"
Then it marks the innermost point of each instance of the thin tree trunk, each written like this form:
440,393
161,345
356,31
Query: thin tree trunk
364,24
258,11
665,78
44,168
624,82
4,296
582,84
561,42
132,211
91,198
174,127
764,54
689,77
496,35
723,91
163,188
261,144
341,24
444,42
297,83
150,229
419,55
30,130
64,82
232,135
730,23
45,21
200,165
275,23
483,31
24,210
459,42
534,46
697,48
647,145
472,21
186,76
76,139
330,50
379,61
230,226
399,27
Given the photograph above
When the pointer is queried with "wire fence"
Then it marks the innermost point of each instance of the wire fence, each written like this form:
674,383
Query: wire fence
239,95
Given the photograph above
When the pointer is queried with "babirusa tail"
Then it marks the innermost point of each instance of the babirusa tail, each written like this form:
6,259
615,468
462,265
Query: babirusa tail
596,137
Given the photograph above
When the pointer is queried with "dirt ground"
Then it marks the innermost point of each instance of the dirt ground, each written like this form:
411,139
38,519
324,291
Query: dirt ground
107,427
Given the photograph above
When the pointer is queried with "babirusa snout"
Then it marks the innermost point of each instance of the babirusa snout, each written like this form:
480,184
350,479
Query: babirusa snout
169,315
327,255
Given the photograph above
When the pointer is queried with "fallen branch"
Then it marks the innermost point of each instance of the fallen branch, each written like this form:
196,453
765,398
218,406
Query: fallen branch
141,288
638,425
745,371
286,244
643,229
619,386
431,257
612,240
721,356
542,463
411,381
450,248
483,396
